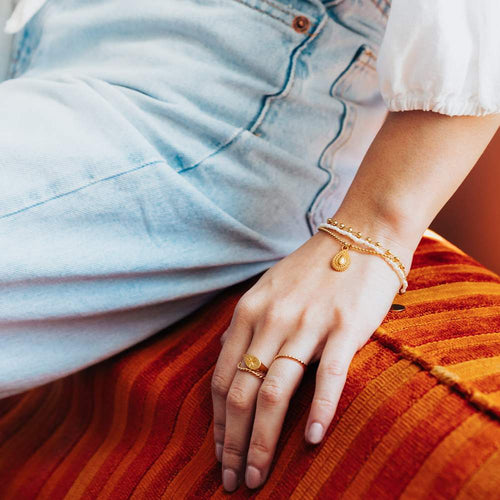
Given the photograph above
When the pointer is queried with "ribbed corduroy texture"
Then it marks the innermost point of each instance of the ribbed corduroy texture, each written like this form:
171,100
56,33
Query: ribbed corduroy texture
419,417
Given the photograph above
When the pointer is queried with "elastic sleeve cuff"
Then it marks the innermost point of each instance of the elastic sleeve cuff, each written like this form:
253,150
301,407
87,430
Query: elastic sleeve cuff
447,105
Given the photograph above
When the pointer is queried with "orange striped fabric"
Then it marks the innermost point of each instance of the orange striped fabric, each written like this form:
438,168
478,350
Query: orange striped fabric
419,417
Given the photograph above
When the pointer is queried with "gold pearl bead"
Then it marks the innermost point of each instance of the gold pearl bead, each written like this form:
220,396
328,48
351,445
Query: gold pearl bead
342,225
358,234
349,229
377,244
368,239
334,223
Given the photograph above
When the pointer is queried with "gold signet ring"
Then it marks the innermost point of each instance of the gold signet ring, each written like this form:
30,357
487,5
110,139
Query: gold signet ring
254,363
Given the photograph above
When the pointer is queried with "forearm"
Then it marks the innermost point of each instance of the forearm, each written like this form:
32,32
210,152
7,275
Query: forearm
415,163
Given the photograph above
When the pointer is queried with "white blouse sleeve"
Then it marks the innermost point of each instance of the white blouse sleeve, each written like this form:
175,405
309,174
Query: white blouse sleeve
441,55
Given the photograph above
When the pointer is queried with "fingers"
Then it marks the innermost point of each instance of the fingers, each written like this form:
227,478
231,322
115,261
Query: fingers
330,379
240,410
273,399
237,338
249,412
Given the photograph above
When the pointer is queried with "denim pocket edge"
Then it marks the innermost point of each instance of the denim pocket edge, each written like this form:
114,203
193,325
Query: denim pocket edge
363,60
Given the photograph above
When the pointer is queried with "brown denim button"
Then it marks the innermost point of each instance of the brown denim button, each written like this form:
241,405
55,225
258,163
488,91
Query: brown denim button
301,24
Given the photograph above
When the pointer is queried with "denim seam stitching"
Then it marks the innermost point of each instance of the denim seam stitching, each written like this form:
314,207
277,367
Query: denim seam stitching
344,81
61,195
262,113
345,134
277,7
338,83
263,12
216,151
290,77
318,197
274,6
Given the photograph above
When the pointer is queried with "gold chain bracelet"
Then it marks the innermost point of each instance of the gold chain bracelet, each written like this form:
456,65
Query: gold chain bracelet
367,241
342,260
350,245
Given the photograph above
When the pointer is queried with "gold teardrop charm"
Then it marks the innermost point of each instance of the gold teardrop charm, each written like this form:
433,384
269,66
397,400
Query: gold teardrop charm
341,261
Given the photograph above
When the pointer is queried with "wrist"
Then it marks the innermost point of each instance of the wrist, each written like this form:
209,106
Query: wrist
400,241
384,222
347,239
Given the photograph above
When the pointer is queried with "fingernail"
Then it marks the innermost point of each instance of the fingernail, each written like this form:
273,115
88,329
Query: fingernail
229,479
315,432
253,477
218,451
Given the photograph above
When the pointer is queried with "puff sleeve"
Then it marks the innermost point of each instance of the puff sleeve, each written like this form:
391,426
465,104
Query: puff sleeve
442,56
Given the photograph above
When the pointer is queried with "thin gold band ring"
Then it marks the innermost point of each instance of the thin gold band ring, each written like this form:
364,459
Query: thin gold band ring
290,357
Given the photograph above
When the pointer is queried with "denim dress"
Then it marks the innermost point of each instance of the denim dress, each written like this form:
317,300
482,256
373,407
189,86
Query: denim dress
153,153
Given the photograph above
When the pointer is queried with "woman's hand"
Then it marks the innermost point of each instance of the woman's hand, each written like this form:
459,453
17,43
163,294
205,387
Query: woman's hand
299,307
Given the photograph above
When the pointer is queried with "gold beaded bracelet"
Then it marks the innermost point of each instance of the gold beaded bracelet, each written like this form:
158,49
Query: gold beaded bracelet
387,253
341,261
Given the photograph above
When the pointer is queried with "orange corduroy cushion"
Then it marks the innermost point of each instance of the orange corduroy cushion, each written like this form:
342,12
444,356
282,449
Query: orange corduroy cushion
419,416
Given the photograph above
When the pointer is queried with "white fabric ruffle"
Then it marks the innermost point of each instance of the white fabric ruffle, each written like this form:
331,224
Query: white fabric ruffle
441,55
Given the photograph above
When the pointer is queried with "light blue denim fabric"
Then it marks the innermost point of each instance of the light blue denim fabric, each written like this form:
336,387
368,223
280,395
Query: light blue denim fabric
153,153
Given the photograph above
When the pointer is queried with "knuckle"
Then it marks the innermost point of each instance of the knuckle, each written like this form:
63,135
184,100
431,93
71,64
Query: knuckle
260,447
219,427
334,368
278,313
219,385
271,393
233,450
246,306
325,404
238,401
310,317
339,319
